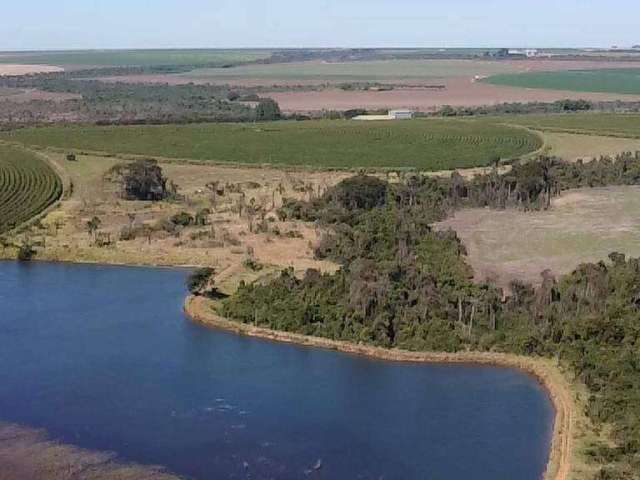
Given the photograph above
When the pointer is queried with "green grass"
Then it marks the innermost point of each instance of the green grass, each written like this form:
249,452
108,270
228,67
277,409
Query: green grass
378,70
624,81
424,144
144,58
27,186
606,124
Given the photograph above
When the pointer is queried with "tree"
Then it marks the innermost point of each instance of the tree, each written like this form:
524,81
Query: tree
141,180
93,225
200,281
26,251
267,110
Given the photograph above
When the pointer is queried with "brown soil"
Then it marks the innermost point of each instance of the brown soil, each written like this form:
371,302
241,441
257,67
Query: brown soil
27,454
20,95
559,466
11,69
459,92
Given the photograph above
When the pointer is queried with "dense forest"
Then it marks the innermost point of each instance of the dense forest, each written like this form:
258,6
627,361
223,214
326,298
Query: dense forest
403,284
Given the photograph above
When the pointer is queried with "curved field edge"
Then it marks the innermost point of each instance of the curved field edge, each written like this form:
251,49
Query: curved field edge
26,453
52,185
429,145
566,441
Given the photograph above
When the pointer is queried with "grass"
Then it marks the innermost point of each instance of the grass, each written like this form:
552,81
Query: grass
583,226
624,81
423,144
605,124
379,70
145,58
28,185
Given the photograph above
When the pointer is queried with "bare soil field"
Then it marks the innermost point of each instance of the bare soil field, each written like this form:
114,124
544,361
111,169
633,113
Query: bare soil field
14,69
583,226
24,95
458,92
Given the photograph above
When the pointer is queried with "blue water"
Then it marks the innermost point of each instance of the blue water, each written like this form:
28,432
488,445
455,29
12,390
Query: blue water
103,358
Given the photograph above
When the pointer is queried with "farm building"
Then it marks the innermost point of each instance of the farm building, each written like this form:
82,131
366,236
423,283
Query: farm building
392,115
401,114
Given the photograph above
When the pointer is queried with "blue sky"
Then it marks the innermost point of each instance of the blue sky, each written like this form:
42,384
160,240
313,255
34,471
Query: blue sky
47,24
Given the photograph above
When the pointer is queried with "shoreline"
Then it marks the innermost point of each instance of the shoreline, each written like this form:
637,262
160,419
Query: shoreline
559,464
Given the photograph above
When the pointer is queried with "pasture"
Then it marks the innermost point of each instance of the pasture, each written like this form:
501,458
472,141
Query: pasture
429,145
28,185
583,226
622,81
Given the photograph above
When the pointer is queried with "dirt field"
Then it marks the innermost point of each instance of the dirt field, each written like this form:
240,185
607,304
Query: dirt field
458,92
583,226
20,95
11,69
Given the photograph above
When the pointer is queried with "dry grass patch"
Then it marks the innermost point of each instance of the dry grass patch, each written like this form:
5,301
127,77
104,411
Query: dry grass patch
583,226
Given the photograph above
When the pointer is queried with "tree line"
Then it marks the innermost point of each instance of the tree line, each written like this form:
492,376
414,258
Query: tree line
402,284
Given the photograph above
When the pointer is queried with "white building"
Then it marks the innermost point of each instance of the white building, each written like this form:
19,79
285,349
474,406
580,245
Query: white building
392,115
401,114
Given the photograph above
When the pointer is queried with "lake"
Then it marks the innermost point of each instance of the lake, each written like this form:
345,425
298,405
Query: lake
104,358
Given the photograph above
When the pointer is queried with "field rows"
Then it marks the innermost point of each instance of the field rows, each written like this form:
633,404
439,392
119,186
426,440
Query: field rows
27,186
421,144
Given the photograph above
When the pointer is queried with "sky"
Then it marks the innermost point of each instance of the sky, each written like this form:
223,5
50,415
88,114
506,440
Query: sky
91,24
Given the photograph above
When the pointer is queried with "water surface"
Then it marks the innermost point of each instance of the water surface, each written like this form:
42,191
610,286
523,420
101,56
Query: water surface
103,358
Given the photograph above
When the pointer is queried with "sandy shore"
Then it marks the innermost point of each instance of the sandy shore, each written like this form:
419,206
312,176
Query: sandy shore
559,466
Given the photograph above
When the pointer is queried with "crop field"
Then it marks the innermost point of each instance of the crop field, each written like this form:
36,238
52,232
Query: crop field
27,186
607,124
423,144
379,70
121,58
623,81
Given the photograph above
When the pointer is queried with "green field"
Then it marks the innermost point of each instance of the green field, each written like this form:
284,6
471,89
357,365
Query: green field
624,81
605,124
143,58
27,186
424,144
379,70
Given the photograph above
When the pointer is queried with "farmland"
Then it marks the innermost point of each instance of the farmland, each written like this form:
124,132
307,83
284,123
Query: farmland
588,123
354,71
422,144
623,81
27,186
123,58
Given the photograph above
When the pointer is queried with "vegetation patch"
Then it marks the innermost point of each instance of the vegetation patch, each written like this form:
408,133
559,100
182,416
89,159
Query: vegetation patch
436,144
28,185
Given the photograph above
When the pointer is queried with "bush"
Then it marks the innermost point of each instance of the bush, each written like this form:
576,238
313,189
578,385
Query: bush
182,219
199,280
